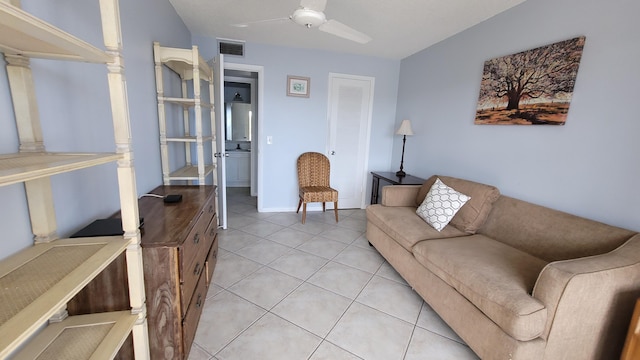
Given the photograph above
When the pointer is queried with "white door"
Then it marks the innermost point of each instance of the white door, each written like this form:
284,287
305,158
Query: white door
350,104
220,155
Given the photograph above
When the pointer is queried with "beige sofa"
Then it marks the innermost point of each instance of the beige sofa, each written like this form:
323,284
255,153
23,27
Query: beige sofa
514,280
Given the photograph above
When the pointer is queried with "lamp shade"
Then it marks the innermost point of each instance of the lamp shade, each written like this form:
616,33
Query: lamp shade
405,128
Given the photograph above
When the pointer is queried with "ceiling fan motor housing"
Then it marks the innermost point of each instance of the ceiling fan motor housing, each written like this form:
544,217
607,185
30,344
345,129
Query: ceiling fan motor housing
308,18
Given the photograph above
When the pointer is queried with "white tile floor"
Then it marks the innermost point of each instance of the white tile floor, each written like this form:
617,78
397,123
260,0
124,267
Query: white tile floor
283,290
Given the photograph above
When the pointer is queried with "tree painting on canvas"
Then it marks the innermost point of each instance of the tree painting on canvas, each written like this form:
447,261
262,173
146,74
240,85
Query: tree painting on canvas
533,87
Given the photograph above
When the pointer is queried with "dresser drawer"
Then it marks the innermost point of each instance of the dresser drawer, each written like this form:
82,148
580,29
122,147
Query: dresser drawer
212,229
191,319
212,232
196,242
209,209
191,278
196,249
192,248
211,260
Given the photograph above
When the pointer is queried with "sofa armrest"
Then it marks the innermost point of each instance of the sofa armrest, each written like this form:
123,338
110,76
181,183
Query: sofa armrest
400,195
589,302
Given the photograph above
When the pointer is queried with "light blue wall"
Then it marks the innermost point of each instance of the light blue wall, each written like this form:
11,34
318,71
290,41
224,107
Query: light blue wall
75,113
300,124
588,167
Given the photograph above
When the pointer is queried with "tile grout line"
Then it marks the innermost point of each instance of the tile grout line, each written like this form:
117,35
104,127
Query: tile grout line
326,261
297,287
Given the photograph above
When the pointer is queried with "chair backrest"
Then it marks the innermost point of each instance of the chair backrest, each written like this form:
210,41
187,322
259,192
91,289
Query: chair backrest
313,169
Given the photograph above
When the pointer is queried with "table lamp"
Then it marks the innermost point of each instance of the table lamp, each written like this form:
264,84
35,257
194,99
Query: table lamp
404,130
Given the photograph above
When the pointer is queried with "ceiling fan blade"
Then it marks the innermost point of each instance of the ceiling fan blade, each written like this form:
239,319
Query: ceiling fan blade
339,29
315,5
246,24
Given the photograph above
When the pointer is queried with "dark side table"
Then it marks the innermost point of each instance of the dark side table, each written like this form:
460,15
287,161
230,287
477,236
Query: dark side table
391,179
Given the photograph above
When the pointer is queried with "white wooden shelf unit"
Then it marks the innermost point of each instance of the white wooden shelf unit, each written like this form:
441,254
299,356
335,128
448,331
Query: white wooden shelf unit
193,71
36,283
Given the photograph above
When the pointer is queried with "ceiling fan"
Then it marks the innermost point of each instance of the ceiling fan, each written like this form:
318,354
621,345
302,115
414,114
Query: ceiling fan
310,14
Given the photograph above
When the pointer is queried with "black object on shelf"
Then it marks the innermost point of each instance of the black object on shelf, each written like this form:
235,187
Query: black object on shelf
172,198
103,227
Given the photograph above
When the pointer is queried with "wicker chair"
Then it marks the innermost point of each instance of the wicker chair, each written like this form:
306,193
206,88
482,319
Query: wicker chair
313,182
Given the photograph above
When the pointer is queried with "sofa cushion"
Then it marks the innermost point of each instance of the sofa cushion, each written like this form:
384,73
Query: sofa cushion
403,225
440,205
495,277
474,213
550,234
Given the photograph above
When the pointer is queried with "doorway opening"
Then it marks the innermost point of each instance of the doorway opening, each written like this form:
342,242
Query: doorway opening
241,117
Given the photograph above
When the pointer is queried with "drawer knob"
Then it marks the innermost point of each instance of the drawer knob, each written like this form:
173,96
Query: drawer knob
212,231
196,238
211,209
196,270
199,301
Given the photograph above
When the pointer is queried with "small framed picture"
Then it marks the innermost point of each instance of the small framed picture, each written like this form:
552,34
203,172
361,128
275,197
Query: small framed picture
298,86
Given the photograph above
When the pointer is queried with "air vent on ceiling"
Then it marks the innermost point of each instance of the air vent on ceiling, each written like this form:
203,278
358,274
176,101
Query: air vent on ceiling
235,48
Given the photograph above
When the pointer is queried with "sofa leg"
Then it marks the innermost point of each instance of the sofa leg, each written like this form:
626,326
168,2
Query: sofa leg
370,244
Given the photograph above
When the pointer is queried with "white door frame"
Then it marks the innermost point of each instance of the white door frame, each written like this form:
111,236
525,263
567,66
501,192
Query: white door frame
367,140
260,70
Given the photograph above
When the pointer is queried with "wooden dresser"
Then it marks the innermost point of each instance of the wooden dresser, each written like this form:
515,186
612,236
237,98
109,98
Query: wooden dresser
631,349
179,250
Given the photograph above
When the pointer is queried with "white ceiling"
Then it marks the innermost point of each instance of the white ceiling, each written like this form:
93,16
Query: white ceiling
399,28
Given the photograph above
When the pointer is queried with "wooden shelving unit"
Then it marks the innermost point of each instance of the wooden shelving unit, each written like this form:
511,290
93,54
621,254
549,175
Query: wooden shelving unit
193,71
36,283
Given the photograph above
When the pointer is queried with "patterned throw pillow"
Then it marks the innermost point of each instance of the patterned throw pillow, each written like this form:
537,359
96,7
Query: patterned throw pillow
440,205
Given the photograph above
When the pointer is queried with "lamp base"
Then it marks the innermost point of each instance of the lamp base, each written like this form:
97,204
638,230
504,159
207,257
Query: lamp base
401,173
